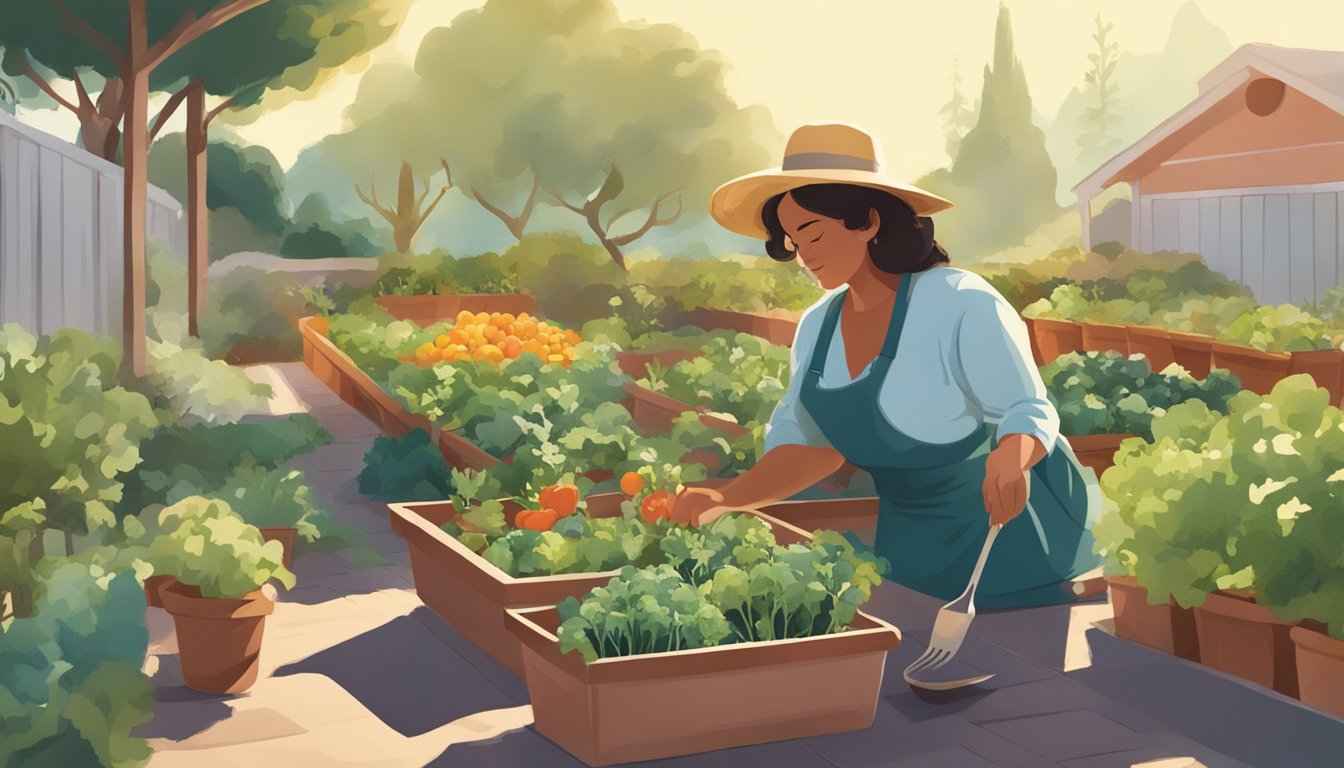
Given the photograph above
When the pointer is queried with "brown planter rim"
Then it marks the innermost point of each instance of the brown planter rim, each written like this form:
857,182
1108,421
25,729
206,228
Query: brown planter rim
671,405
535,627
285,535
1109,441
154,586
1317,641
1149,332
1191,340
365,387
1242,352
186,600
1240,606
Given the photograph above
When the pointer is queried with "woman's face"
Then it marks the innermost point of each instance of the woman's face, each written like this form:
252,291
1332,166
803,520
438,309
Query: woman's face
828,249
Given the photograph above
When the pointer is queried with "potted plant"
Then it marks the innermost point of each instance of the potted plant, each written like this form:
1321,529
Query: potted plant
715,633
1151,342
276,501
218,606
1256,346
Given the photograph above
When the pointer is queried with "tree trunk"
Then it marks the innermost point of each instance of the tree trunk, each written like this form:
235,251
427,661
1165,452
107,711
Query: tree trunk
404,229
590,213
198,216
134,157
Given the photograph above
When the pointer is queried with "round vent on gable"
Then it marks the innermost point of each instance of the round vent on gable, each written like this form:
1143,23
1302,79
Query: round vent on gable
1264,95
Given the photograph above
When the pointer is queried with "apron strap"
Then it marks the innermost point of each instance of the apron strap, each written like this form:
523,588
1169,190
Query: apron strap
823,345
898,313
894,327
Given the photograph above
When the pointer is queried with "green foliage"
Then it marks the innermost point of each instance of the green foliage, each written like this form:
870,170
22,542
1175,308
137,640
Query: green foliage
1105,393
744,376
67,432
724,583
188,386
71,689
247,179
1284,328
407,468
576,544
1235,501
206,544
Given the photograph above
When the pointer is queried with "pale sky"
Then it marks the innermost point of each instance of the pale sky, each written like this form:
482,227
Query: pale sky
885,65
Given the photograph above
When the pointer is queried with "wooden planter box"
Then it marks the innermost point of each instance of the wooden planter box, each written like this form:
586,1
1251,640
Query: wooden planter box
1326,366
472,594
1096,451
335,369
654,412
1259,371
1193,352
1244,639
635,364
857,515
1036,355
1320,669
659,705
1168,628
1056,337
1104,337
427,310
1153,343
774,329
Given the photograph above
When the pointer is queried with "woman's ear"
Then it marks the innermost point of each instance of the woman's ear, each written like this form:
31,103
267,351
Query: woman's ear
867,233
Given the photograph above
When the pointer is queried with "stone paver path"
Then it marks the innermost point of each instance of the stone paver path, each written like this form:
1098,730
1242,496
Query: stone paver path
356,671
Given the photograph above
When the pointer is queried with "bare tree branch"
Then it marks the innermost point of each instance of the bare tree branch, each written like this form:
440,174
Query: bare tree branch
188,28
81,28
421,220
41,82
516,224
558,200
373,203
84,101
212,114
168,109
654,219
448,172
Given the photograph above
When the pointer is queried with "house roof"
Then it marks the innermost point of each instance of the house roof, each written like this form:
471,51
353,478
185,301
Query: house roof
1318,74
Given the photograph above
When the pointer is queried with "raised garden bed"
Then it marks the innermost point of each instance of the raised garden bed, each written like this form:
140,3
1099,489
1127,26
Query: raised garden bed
1320,669
1056,337
636,364
1326,367
1152,343
335,369
1104,337
1096,451
472,594
1259,371
857,515
429,309
723,696
1193,352
654,412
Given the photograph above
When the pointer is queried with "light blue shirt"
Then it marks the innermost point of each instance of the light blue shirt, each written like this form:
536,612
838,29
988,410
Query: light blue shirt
963,360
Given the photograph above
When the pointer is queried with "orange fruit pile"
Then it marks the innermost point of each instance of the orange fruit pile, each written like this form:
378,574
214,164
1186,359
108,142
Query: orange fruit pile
496,336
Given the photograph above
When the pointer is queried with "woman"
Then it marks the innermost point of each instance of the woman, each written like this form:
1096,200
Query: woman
915,371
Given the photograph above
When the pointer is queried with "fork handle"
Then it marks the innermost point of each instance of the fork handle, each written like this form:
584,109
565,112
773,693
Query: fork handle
980,564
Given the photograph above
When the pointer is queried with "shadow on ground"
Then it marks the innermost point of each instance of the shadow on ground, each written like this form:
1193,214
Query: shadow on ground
181,712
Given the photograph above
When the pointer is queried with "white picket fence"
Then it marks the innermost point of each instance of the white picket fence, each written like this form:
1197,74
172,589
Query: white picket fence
60,233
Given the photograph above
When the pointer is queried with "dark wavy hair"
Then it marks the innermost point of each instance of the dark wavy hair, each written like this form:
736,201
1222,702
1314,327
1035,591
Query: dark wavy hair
904,241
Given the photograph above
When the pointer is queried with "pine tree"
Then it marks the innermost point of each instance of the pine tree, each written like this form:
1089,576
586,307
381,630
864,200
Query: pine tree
1098,140
958,117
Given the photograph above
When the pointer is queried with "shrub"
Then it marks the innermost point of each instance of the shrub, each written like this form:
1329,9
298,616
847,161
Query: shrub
206,544
407,468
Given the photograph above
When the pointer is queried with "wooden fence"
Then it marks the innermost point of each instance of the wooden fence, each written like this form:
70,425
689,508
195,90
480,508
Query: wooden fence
61,233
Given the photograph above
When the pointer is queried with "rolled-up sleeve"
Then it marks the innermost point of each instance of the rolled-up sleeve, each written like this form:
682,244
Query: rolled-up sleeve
998,372
790,423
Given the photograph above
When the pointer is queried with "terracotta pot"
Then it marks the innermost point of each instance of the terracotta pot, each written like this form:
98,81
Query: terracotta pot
219,639
1326,366
429,309
1057,337
1193,352
154,587
1153,343
1096,451
1320,669
727,696
1244,639
1166,627
1104,337
284,535
1259,371
472,594
635,364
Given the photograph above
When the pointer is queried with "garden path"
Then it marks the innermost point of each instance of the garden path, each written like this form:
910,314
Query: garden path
356,671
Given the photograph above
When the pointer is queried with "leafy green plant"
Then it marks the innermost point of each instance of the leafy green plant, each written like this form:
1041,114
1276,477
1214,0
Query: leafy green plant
406,468
188,386
1284,328
744,376
71,689
206,544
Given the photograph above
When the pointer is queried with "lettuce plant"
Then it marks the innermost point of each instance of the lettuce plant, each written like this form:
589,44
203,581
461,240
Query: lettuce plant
206,544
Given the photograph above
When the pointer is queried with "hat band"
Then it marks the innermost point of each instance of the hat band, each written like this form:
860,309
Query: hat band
823,161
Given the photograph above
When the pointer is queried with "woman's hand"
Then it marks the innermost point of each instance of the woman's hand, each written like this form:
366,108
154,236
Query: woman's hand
698,506
1007,485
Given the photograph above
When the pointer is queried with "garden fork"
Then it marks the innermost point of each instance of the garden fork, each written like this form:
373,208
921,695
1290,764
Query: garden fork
954,619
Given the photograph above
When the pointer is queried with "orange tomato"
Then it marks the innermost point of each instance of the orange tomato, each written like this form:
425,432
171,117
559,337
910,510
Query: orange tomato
524,316
572,336
442,341
535,519
421,357
534,348
631,483
512,347
489,352
458,336
464,317
657,506
555,358
562,497
482,318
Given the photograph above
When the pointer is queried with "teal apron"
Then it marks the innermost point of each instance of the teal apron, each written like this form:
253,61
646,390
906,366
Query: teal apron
931,514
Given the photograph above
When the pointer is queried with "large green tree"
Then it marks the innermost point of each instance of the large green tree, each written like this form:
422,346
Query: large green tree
1002,180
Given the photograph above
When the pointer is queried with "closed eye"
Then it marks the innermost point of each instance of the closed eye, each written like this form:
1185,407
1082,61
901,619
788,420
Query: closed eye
818,237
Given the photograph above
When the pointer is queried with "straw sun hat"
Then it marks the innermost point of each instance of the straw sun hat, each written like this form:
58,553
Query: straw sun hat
817,153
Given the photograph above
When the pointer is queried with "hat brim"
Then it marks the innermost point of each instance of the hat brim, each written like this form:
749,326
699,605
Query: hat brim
737,204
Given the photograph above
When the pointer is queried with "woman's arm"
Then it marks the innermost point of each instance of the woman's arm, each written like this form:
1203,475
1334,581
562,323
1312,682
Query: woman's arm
782,472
